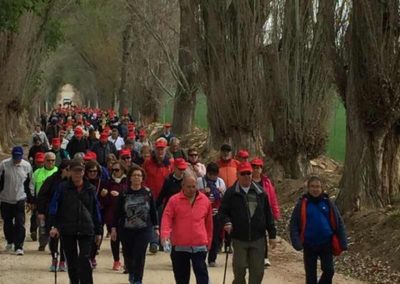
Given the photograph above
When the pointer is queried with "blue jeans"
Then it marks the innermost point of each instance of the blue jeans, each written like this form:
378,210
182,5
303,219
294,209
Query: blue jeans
181,266
311,255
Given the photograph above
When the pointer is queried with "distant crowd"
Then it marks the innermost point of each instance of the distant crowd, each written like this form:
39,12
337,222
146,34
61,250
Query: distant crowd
92,175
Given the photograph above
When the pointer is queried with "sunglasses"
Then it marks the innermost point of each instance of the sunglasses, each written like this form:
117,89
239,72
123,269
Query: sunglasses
125,158
245,174
116,170
92,171
49,160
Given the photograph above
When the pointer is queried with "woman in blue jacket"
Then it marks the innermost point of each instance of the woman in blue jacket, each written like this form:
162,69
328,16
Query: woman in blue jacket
314,223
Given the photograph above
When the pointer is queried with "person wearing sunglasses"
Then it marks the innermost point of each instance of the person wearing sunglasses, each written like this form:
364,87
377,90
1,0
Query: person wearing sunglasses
38,178
246,215
198,169
108,200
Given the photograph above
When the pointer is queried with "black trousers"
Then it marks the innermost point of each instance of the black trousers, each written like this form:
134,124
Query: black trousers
134,246
14,223
53,245
181,266
34,223
79,269
212,254
311,255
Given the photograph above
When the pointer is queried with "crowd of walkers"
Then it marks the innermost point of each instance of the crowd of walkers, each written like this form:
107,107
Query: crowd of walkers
93,175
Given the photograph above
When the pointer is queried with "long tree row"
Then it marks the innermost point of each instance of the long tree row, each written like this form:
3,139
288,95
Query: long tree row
270,71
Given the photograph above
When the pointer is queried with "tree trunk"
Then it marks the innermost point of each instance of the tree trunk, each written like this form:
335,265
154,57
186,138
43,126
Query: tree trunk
185,97
122,92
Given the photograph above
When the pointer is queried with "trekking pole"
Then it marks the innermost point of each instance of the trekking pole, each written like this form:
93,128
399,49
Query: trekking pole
226,262
56,264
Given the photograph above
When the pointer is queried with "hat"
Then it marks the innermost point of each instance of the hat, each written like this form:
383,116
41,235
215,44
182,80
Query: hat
76,164
167,125
142,133
131,135
55,141
243,154
64,164
245,167
90,156
226,148
257,162
161,143
104,136
39,157
125,152
180,164
78,131
17,153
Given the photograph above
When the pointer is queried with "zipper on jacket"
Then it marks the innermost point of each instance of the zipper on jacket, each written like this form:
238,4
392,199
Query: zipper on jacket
248,215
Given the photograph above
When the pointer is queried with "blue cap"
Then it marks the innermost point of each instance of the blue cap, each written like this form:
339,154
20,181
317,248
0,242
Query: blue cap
17,153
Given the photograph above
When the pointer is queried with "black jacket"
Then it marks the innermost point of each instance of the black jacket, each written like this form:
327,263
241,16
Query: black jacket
170,187
102,151
235,210
75,146
75,213
46,192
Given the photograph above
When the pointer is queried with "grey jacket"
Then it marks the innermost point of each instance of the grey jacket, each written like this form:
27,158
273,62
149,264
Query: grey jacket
16,180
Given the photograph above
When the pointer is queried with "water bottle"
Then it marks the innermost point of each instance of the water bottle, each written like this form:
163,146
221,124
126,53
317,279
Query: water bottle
167,246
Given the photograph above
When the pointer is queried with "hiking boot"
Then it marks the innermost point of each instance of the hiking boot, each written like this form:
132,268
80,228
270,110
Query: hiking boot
153,248
9,248
62,267
34,236
19,252
53,266
267,263
116,266
93,263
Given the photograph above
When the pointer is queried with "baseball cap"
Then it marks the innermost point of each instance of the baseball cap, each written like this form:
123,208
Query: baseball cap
39,157
90,156
167,125
257,162
245,167
78,131
55,141
17,153
161,143
76,164
125,152
243,154
226,148
104,136
180,164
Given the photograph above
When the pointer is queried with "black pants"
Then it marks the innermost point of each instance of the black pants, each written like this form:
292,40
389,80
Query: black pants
53,245
114,245
79,269
134,245
311,255
181,266
14,223
212,254
34,223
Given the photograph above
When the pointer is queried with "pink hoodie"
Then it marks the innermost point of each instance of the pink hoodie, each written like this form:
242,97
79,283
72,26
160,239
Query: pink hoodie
272,199
187,224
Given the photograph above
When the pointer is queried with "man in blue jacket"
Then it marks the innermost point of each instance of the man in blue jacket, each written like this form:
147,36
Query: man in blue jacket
311,230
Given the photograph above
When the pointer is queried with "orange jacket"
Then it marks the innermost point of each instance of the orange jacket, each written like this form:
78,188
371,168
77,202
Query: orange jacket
156,174
228,171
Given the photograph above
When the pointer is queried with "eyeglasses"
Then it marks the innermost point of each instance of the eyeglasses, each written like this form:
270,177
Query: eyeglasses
245,174
92,171
50,160
126,158
116,170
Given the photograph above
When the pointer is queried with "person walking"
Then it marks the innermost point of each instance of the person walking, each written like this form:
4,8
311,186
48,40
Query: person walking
61,154
246,215
37,147
227,165
75,217
264,182
41,135
198,168
103,148
187,226
314,223
15,175
78,143
135,219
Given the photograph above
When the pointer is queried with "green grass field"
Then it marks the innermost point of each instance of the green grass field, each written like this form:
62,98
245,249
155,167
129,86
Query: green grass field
336,144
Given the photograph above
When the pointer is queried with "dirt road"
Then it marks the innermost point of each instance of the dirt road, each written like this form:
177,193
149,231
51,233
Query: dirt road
32,268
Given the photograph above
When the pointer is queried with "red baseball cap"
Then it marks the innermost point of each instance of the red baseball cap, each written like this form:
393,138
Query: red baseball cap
104,136
245,167
90,156
167,125
125,152
56,141
142,133
243,154
257,162
161,143
180,164
131,135
78,131
39,157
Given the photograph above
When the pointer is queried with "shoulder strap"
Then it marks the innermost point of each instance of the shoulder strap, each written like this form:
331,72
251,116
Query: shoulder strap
303,218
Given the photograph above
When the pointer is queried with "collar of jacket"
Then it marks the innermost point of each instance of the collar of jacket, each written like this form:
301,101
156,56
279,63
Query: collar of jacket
86,185
253,186
183,196
165,162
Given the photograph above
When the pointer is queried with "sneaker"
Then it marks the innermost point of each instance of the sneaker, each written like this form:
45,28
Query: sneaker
93,262
153,248
53,265
19,252
116,266
212,264
34,236
9,248
62,267
267,263
41,248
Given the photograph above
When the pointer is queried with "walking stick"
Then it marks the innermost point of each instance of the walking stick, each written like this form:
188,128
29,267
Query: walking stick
55,270
226,262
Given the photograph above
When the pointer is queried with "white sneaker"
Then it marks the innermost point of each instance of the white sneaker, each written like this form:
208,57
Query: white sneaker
9,248
266,262
19,252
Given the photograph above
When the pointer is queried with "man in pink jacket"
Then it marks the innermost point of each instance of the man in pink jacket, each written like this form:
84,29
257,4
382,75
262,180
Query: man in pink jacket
187,225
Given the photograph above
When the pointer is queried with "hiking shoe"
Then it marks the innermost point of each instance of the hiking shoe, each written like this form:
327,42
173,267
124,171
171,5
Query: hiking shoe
93,263
19,252
41,248
116,266
34,236
53,266
153,248
212,264
9,248
62,267
267,263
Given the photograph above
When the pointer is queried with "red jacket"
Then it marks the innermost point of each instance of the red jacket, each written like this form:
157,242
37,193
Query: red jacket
156,174
228,171
272,199
188,224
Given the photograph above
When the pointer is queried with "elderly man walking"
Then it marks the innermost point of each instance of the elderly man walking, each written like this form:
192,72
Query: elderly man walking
246,215
187,225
